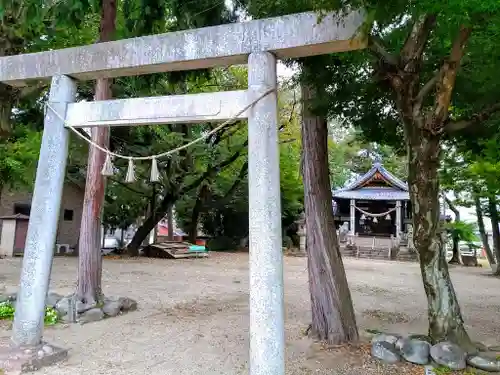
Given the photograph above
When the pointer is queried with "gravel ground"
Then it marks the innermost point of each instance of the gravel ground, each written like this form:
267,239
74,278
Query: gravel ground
193,315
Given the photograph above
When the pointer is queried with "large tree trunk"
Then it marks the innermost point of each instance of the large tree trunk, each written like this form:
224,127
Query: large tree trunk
333,318
495,229
90,259
445,318
482,232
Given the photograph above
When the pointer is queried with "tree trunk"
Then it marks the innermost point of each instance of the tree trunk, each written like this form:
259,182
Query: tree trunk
333,318
492,208
197,211
445,318
482,232
148,225
88,288
455,259
170,222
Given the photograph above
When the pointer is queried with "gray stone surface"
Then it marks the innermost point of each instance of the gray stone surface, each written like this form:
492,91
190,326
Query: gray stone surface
267,340
487,361
296,35
449,354
193,108
385,351
63,305
391,339
52,299
416,351
16,360
112,308
92,315
45,208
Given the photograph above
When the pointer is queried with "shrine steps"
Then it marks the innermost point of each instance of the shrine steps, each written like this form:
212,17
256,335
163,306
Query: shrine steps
376,253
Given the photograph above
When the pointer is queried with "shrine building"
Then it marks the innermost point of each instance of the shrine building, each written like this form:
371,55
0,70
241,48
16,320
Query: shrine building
376,204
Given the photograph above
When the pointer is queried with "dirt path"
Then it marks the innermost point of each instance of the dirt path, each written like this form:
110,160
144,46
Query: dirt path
193,315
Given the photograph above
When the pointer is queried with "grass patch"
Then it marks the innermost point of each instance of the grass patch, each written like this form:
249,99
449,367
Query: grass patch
7,311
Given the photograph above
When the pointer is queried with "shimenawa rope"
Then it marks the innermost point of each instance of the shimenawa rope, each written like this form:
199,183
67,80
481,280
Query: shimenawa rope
108,169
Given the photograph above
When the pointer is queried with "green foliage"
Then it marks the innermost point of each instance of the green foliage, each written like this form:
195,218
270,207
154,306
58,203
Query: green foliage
463,231
18,158
7,312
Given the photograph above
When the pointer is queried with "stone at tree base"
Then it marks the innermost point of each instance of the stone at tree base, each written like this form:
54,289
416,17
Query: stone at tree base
449,355
112,308
62,306
386,337
401,342
416,351
128,304
21,360
386,352
92,315
52,299
487,361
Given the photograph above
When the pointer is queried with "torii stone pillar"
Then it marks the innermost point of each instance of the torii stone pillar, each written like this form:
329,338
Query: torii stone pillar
40,241
267,320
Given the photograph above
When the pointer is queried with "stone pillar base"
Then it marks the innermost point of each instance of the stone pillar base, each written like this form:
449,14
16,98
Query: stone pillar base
17,360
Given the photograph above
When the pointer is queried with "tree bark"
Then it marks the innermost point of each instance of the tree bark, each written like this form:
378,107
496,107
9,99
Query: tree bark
455,259
495,221
148,225
333,318
88,288
482,231
195,214
170,222
445,318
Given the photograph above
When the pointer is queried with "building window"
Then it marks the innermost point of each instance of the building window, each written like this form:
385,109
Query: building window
68,215
22,209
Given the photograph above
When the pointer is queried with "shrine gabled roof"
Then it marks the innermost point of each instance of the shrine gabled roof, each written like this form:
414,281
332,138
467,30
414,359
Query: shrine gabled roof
373,194
395,188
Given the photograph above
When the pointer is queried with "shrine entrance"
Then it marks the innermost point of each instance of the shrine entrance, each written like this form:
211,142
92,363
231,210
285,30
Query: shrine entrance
259,44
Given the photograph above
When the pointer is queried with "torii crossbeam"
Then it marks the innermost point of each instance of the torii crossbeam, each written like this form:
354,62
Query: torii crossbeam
258,43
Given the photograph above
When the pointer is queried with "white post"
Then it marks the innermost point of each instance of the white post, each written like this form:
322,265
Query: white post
267,337
398,219
353,217
39,250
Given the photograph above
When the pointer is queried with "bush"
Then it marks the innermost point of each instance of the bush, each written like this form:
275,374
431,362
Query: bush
222,243
7,311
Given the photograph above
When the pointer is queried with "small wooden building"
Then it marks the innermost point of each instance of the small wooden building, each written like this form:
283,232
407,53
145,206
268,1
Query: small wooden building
376,204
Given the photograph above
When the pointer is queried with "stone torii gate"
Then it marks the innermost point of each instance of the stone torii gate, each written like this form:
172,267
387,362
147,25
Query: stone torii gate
258,43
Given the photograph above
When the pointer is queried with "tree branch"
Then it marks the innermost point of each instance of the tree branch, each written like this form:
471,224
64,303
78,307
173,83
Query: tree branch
424,91
127,186
212,170
411,53
376,45
453,126
452,207
234,186
446,81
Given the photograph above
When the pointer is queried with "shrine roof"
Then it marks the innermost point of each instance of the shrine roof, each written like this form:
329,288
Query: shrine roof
373,193
376,184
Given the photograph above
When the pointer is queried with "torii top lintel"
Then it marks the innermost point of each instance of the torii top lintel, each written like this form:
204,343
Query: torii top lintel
296,35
